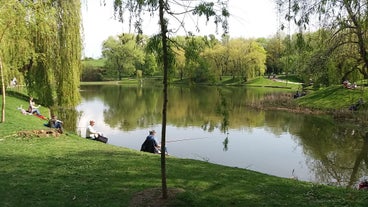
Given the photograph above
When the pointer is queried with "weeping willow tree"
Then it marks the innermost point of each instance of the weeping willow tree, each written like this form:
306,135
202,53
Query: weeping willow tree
39,73
70,47
15,47
42,40
54,77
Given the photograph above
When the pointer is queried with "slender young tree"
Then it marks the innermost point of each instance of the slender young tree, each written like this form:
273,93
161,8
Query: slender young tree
170,10
2,91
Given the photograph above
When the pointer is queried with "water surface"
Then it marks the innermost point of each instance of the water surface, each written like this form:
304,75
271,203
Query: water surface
218,126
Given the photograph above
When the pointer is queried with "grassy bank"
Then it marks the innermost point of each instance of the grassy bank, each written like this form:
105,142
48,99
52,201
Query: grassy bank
71,171
256,82
333,97
274,83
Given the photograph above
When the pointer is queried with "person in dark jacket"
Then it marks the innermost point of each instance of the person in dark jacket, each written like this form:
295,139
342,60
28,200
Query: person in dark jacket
54,122
150,144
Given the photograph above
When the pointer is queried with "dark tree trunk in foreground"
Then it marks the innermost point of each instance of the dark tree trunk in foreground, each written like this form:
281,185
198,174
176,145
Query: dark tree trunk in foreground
3,92
163,24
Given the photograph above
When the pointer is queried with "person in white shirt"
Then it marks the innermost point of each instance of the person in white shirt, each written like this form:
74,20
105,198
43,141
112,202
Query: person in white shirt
91,133
33,109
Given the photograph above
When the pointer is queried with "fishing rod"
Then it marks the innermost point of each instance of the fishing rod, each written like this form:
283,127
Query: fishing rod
187,139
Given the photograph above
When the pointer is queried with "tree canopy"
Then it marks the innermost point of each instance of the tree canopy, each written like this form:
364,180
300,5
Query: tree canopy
345,22
123,54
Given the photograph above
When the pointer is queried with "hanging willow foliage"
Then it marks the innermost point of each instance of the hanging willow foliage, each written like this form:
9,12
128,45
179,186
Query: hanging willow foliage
14,47
54,74
70,48
44,29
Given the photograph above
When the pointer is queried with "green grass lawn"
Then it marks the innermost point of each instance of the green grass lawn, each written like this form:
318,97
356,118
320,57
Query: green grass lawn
256,82
71,171
333,97
274,83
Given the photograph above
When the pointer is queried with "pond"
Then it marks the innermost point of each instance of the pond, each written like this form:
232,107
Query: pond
217,125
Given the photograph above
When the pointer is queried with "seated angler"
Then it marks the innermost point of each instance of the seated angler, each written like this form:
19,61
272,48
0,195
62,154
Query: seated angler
91,133
150,144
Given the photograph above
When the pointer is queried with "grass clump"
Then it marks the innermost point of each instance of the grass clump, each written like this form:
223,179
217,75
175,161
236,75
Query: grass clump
72,171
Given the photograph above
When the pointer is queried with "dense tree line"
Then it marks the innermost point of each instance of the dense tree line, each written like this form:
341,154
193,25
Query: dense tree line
310,56
206,59
196,58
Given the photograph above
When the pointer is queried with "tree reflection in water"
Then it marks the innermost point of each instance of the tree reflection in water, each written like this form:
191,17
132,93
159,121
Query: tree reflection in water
340,153
223,110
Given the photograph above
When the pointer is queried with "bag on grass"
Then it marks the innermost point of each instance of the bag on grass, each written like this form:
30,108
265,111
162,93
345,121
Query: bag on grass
101,139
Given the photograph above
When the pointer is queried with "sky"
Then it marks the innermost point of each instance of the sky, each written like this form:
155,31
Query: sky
248,19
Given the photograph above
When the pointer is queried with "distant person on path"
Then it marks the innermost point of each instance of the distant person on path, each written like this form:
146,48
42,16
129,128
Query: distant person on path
150,144
13,82
91,133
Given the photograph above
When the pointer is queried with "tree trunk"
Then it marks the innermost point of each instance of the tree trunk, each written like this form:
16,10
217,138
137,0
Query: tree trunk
163,25
358,162
3,91
361,39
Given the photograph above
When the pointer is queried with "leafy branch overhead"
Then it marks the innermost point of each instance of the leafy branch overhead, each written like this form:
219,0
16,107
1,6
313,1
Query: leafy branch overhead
344,22
181,14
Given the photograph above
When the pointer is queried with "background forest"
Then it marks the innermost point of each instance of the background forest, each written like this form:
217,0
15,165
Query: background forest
319,41
205,59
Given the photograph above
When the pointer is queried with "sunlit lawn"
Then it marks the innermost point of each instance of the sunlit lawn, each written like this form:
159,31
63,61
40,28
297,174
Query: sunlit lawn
334,97
276,83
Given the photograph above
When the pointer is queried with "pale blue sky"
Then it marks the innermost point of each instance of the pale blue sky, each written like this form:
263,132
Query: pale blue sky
249,18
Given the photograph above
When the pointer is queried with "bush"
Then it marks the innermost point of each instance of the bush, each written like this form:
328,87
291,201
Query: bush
92,74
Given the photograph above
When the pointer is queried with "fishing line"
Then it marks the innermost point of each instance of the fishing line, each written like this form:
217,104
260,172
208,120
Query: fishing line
188,139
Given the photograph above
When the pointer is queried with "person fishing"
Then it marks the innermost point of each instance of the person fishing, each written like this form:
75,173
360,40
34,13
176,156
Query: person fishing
150,144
